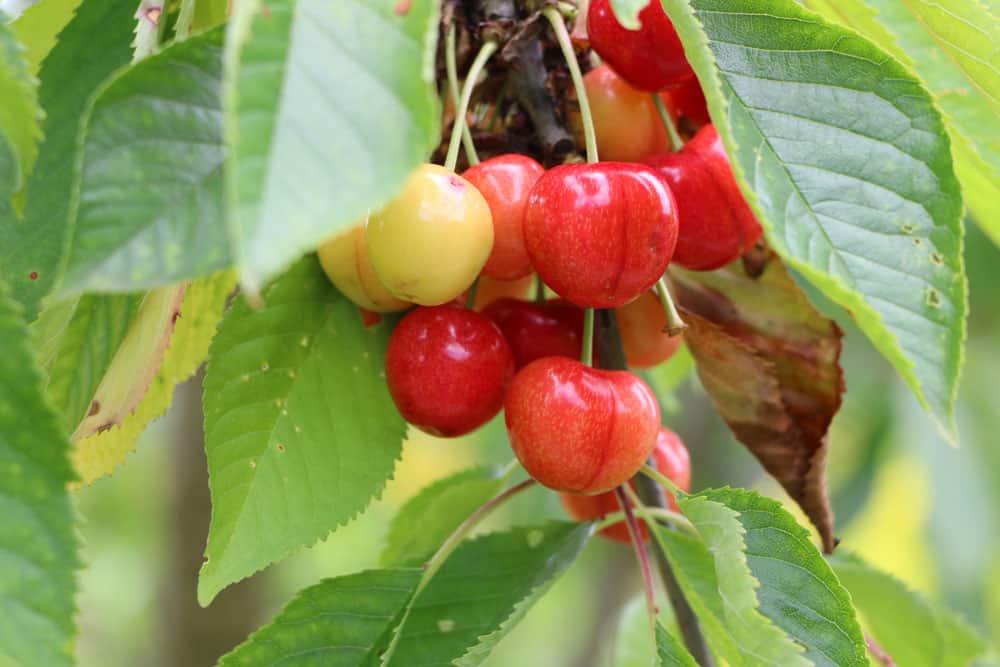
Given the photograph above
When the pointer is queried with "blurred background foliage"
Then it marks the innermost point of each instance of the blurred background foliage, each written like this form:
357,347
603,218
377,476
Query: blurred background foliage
905,500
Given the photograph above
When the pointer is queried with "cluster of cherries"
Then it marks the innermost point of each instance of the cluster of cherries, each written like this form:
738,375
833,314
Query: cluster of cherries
599,235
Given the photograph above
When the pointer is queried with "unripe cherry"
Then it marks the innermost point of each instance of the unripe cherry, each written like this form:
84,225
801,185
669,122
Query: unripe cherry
641,325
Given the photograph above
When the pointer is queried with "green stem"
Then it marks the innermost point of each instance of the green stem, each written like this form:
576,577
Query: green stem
675,325
470,298
676,143
484,54
182,28
539,290
640,553
661,479
432,566
452,67
562,36
661,514
587,345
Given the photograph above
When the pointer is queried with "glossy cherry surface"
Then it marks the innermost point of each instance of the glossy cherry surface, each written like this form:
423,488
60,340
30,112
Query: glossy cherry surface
672,459
536,330
716,224
626,123
650,58
505,181
641,325
489,290
345,261
688,100
580,429
600,234
447,369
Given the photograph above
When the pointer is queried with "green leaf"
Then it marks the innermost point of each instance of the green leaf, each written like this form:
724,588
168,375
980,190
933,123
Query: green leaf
627,12
150,181
844,157
38,543
300,430
329,107
429,517
903,622
36,28
19,114
482,590
342,622
670,651
204,300
93,45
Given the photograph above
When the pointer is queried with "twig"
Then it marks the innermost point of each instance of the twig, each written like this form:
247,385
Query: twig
635,534
878,652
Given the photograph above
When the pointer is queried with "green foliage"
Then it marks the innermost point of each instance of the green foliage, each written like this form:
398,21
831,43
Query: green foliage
38,543
314,139
903,622
843,155
627,12
93,44
424,522
19,114
149,193
670,651
300,431
37,27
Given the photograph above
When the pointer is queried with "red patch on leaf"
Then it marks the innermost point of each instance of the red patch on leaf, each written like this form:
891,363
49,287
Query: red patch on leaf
402,7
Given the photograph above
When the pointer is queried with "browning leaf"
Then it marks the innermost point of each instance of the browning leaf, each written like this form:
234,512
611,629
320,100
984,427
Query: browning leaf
769,360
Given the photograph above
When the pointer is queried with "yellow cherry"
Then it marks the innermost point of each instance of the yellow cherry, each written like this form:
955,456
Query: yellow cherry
345,260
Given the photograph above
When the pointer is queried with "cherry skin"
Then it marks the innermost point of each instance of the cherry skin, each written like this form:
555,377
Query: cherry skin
429,243
447,369
580,429
650,58
716,224
536,330
672,460
641,325
600,234
687,100
344,259
505,181
489,290
626,123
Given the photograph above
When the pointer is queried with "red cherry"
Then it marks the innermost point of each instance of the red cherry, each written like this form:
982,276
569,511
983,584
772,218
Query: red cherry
672,459
641,325
536,330
600,234
626,123
688,100
650,58
447,369
505,182
716,224
576,428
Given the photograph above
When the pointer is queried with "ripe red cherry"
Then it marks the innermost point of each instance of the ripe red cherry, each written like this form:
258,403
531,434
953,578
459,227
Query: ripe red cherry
641,325
600,234
447,369
626,123
650,58
688,100
716,224
505,182
580,429
536,330
672,459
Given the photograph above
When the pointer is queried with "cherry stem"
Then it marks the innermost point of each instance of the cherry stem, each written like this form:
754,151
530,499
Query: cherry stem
470,297
432,566
452,67
640,553
487,50
676,143
587,345
562,36
650,515
539,290
661,479
675,325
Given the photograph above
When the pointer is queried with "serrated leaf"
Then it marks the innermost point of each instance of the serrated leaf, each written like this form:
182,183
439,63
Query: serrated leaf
92,45
341,622
37,26
200,311
329,107
429,517
670,651
300,431
903,622
789,386
19,114
484,588
38,543
844,157
150,179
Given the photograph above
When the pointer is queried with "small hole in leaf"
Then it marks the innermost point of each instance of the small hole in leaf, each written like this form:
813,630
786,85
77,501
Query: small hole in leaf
281,448
937,258
933,298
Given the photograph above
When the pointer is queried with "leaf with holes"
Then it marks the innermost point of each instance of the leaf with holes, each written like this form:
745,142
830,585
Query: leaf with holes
756,318
300,431
844,157
329,107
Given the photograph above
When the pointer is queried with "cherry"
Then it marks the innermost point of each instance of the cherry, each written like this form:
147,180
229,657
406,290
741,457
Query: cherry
716,224
650,58
687,100
671,458
430,242
576,428
641,325
489,290
344,258
627,125
536,330
600,234
505,182
447,369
